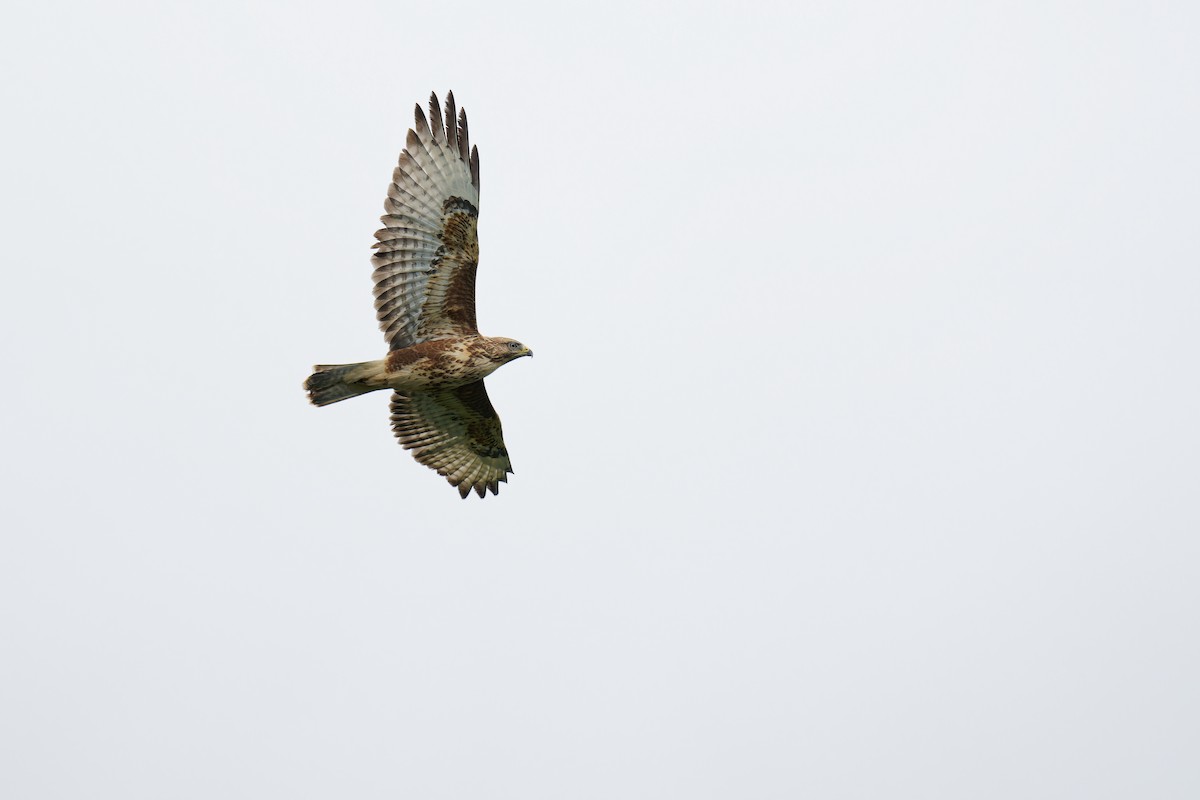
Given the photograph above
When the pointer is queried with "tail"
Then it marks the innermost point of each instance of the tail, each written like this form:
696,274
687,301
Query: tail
331,383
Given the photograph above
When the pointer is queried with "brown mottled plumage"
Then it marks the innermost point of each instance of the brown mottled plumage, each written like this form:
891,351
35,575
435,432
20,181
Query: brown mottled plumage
425,264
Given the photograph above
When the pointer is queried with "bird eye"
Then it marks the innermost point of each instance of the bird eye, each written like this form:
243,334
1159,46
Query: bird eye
514,345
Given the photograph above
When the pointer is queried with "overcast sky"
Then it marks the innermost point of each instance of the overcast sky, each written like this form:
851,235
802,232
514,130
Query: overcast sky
859,458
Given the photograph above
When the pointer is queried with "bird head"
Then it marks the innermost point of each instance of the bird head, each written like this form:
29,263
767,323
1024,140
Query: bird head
503,350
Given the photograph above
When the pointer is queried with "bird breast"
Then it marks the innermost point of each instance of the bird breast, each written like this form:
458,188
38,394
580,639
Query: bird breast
439,364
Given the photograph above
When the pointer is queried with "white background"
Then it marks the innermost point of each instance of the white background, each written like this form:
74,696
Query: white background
859,457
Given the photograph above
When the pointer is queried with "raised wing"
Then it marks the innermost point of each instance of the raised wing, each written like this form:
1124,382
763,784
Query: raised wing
428,249
456,432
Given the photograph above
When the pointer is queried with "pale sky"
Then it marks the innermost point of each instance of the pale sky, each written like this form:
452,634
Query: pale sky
859,457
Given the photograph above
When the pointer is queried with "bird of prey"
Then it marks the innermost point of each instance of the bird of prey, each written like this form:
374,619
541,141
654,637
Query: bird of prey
424,277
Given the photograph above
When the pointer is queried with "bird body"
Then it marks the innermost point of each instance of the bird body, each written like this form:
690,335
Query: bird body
437,364
425,264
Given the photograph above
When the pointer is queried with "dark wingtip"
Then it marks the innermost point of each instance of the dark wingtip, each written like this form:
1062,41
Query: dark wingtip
464,138
435,116
451,128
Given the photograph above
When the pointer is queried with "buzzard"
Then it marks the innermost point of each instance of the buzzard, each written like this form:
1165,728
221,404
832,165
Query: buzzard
424,277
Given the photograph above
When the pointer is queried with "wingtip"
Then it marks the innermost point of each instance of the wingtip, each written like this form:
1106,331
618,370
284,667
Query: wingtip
451,127
435,117
464,136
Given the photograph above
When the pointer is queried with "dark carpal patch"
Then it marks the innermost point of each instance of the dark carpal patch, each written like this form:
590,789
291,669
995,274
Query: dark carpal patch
456,204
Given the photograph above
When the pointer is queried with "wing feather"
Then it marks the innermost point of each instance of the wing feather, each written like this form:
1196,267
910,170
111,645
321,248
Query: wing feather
464,141
429,155
427,252
416,189
455,432
435,114
451,125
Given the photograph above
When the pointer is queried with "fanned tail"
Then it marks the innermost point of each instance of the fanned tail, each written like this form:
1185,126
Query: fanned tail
332,383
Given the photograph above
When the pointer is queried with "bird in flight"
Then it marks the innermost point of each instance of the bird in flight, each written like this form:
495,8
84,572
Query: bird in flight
425,263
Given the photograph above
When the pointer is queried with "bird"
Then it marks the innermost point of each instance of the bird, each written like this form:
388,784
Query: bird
425,262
